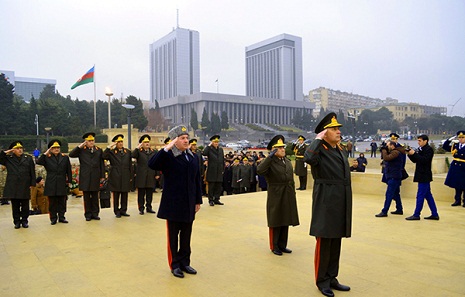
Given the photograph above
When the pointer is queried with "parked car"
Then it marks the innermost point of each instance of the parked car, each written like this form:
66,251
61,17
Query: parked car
234,146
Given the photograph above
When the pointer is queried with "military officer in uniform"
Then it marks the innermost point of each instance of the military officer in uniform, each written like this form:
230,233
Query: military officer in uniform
181,197
59,177
119,179
456,175
91,173
20,178
281,204
145,177
332,202
214,175
300,166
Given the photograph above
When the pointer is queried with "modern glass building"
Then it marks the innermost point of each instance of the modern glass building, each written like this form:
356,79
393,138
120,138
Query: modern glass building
175,65
274,68
27,87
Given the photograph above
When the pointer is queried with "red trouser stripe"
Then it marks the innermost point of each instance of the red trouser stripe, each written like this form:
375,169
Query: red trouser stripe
317,257
271,238
170,256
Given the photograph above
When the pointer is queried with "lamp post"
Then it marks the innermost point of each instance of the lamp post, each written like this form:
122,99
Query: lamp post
129,107
47,130
36,121
109,93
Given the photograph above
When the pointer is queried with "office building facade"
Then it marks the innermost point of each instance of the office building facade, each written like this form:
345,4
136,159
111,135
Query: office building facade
27,87
274,68
175,65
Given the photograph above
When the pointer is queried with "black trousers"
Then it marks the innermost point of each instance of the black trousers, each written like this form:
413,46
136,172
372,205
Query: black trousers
278,237
327,253
179,244
116,202
91,206
144,196
303,182
214,190
57,207
20,209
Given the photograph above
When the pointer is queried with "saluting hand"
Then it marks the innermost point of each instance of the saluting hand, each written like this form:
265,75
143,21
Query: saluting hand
8,151
321,134
82,144
171,144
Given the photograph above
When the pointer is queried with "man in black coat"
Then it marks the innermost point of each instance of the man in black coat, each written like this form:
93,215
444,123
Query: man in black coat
332,202
59,177
119,179
181,197
215,169
145,176
423,157
300,166
91,173
20,178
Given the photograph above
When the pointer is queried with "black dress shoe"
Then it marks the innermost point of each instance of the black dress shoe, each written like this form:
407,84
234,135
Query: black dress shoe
141,212
218,202
25,225
189,270
125,215
211,203
436,218
286,250
298,188
64,221
150,211
177,272
412,218
327,292
17,225
88,219
277,252
340,287
397,212
53,222
381,215
96,218
118,216
456,203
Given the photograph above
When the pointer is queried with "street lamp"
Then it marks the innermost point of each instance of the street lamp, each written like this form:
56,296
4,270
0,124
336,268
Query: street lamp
109,93
129,107
47,130
36,121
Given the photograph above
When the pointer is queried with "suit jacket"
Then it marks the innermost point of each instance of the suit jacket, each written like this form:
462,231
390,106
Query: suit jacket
182,186
215,163
145,177
91,167
423,158
332,190
121,174
21,175
58,174
281,203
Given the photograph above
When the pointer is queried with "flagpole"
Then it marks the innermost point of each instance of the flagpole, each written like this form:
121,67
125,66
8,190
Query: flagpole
95,102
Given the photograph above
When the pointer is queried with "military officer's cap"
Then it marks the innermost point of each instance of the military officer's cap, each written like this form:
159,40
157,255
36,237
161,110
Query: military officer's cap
178,131
215,138
15,145
329,121
54,143
193,141
89,136
118,138
144,138
301,137
167,140
460,133
245,159
394,136
277,141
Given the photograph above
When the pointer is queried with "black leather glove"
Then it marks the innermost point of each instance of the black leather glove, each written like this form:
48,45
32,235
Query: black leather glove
272,153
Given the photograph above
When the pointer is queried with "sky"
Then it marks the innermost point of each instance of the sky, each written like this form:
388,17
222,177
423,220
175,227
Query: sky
413,51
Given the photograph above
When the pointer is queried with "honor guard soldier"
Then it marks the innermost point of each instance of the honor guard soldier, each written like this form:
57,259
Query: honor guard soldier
456,175
181,197
145,177
300,166
20,178
332,202
214,175
59,177
119,179
281,204
91,173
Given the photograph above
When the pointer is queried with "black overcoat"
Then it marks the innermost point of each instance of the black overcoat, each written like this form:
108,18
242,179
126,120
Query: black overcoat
332,191
120,176
145,177
58,174
215,163
456,175
300,165
182,186
281,203
423,158
91,167
20,175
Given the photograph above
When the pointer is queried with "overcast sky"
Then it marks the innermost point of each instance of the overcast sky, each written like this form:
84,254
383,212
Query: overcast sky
413,51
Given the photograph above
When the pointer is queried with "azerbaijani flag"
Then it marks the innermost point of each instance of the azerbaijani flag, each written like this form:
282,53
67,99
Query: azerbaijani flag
85,79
